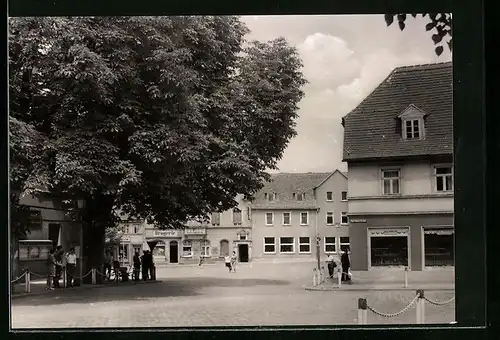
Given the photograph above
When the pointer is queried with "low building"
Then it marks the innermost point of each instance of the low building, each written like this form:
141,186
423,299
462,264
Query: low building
297,213
398,144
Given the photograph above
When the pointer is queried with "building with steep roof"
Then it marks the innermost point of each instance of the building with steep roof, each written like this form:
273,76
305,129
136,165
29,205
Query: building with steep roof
398,144
297,213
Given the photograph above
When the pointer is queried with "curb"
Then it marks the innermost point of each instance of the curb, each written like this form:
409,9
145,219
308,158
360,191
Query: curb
367,289
86,287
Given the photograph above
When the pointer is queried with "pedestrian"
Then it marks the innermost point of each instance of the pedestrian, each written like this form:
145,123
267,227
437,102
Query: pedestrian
234,259
346,264
227,261
137,266
150,265
144,261
108,264
331,265
70,266
58,255
51,270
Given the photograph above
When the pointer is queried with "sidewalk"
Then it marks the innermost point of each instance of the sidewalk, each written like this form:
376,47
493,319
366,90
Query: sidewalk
38,288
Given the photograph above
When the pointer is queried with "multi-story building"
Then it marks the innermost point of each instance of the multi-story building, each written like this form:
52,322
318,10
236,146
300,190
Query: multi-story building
398,145
132,239
294,210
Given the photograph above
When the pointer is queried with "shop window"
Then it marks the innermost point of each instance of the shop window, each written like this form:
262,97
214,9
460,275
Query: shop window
123,253
439,248
33,252
389,251
187,248
205,248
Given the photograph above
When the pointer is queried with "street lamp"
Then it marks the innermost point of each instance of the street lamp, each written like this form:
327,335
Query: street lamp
318,239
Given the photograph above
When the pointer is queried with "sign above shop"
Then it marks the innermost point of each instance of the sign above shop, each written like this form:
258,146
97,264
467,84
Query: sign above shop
166,233
389,232
125,239
438,231
195,231
352,220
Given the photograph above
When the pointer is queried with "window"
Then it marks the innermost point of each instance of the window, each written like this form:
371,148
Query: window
300,196
271,197
444,178
137,249
412,129
224,247
304,245
329,218
205,248
215,218
269,245
344,243
123,253
294,196
390,182
330,246
344,219
243,237
33,252
187,248
35,220
269,218
236,216
304,218
329,196
286,218
134,229
286,245
265,195
343,195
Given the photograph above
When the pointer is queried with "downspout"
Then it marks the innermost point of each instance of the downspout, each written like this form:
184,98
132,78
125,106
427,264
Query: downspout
318,257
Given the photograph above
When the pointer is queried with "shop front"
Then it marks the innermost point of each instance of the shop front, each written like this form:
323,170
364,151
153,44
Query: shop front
196,246
243,246
167,248
438,246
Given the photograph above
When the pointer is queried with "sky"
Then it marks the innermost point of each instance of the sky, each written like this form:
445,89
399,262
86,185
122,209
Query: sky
345,57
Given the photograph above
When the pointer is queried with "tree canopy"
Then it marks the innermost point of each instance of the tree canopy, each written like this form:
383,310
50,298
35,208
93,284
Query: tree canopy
440,23
164,118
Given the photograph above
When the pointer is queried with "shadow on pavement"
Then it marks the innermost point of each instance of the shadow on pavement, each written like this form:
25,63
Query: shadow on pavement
175,287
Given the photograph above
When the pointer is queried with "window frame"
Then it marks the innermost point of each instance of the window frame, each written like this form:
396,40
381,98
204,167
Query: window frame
332,215
212,218
235,211
301,244
342,199
329,243
344,214
302,197
203,247
420,126
435,175
383,178
307,223
268,244
272,218
331,199
344,243
289,218
292,244
186,244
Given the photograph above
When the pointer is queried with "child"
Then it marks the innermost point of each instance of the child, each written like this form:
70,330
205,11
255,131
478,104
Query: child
233,262
227,260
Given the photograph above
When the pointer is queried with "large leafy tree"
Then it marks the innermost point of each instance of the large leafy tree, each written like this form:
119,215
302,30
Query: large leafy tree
438,23
164,118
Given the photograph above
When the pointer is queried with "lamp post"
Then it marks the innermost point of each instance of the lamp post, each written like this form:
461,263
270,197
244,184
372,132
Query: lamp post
81,206
318,239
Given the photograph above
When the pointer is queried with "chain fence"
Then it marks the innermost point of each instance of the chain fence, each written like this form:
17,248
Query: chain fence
436,303
392,315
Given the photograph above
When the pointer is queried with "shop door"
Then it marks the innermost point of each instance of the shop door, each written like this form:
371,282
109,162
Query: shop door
174,252
243,252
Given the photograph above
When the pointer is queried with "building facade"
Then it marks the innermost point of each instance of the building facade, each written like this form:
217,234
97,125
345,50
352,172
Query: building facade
295,214
398,144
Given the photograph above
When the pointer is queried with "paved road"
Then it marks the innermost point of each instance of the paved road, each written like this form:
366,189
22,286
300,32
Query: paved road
267,295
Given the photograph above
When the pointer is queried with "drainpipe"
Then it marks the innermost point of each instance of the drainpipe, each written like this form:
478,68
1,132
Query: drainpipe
318,257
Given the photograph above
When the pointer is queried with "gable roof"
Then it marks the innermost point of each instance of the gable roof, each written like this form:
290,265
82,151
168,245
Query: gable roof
372,130
285,185
333,173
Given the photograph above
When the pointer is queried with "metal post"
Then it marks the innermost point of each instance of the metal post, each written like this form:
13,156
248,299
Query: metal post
94,276
362,311
422,306
314,278
318,250
65,278
419,306
27,282
339,276
406,277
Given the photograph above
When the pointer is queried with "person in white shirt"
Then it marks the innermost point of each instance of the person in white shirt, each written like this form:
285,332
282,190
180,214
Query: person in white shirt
331,265
227,261
71,266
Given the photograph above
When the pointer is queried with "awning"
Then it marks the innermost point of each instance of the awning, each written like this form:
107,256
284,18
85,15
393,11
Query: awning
152,244
439,231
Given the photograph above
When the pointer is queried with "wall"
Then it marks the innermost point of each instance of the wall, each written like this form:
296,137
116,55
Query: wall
359,235
260,230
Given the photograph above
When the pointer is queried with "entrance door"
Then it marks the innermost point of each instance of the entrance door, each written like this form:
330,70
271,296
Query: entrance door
54,229
243,252
174,252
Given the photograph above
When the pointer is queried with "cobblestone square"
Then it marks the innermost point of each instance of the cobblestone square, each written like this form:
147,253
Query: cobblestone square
256,295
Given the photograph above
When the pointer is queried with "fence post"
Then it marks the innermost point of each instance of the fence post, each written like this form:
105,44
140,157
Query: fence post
406,277
27,282
94,278
362,311
65,278
314,277
420,306
339,276
321,276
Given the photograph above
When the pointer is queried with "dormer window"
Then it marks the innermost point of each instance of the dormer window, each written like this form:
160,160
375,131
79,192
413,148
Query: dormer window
300,196
271,197
412,123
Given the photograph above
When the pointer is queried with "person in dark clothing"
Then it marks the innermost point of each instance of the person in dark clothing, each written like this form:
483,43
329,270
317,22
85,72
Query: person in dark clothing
150,266
346,264
144,261
58,255
137,266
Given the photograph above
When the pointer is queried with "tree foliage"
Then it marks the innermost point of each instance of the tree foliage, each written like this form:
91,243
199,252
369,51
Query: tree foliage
164,118
440,23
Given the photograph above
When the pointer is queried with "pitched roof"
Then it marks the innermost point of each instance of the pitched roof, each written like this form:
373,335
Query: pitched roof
284,185
372,129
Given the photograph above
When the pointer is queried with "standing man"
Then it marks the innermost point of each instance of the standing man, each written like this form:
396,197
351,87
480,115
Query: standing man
144,261
59,265
346,264
108,264
70,266
137,266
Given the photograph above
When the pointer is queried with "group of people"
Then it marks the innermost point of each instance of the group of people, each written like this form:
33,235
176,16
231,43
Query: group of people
144,262
230,262
58,261
345,263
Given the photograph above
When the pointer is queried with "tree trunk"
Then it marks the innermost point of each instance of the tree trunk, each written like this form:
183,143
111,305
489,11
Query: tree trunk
97,217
